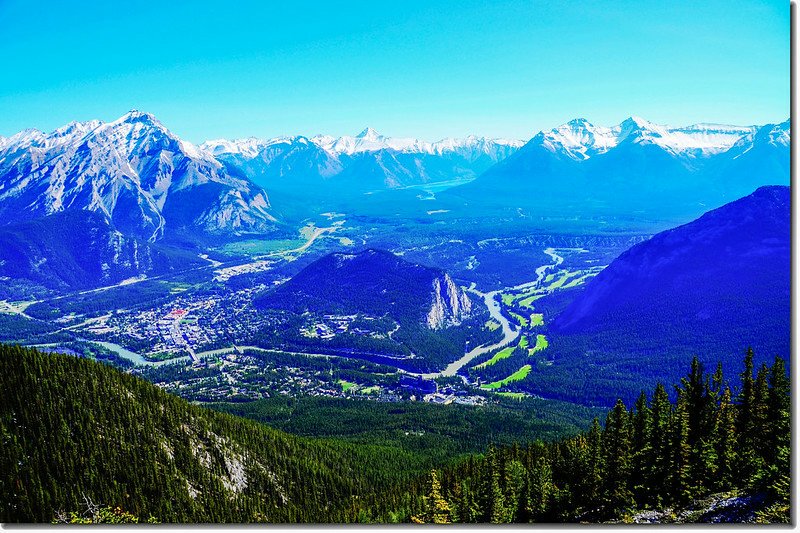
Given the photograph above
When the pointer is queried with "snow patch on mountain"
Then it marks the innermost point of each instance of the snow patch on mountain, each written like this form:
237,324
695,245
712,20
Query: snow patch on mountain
579,139
368,140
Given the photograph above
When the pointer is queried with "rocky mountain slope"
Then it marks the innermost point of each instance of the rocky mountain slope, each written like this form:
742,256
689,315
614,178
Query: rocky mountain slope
80,250
145,180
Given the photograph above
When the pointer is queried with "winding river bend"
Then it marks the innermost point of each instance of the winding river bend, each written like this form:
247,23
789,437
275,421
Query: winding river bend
509,334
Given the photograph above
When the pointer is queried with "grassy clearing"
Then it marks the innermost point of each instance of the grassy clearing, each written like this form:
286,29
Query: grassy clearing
491,325
508,299
577,281
558,283
375,389
528,302
506,352
513,395
519,318
523,342
346,385
499,356
537,319
519,375
541,344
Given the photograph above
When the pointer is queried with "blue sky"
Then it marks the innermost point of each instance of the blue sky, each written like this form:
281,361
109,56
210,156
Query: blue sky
412,68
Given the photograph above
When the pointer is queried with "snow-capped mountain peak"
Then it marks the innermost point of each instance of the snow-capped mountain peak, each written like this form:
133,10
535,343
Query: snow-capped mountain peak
579,139
368,140
635,121
369,134
134,115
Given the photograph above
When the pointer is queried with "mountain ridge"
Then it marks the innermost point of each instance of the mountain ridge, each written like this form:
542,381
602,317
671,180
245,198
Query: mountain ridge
707,288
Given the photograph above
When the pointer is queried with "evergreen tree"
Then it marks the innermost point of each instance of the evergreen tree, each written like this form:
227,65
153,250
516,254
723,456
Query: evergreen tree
777,441
659,460
540,490
759,424
725,443
514,475
778,411
437,510
617,460
641,448
745,423
596,464
695,390
497,504
679,451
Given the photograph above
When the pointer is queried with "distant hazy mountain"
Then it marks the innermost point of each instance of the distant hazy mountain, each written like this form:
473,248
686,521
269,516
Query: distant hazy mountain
758,158
366,162
712,288
373,282
79,249
146,181
635,167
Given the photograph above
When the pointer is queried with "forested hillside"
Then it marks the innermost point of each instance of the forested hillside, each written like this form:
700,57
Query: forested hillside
706,288
71,428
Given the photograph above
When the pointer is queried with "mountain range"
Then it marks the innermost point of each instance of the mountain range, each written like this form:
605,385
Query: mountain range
150,186
365,163
635,168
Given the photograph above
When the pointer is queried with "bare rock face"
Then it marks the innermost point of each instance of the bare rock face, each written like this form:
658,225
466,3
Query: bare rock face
450,303
730,508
